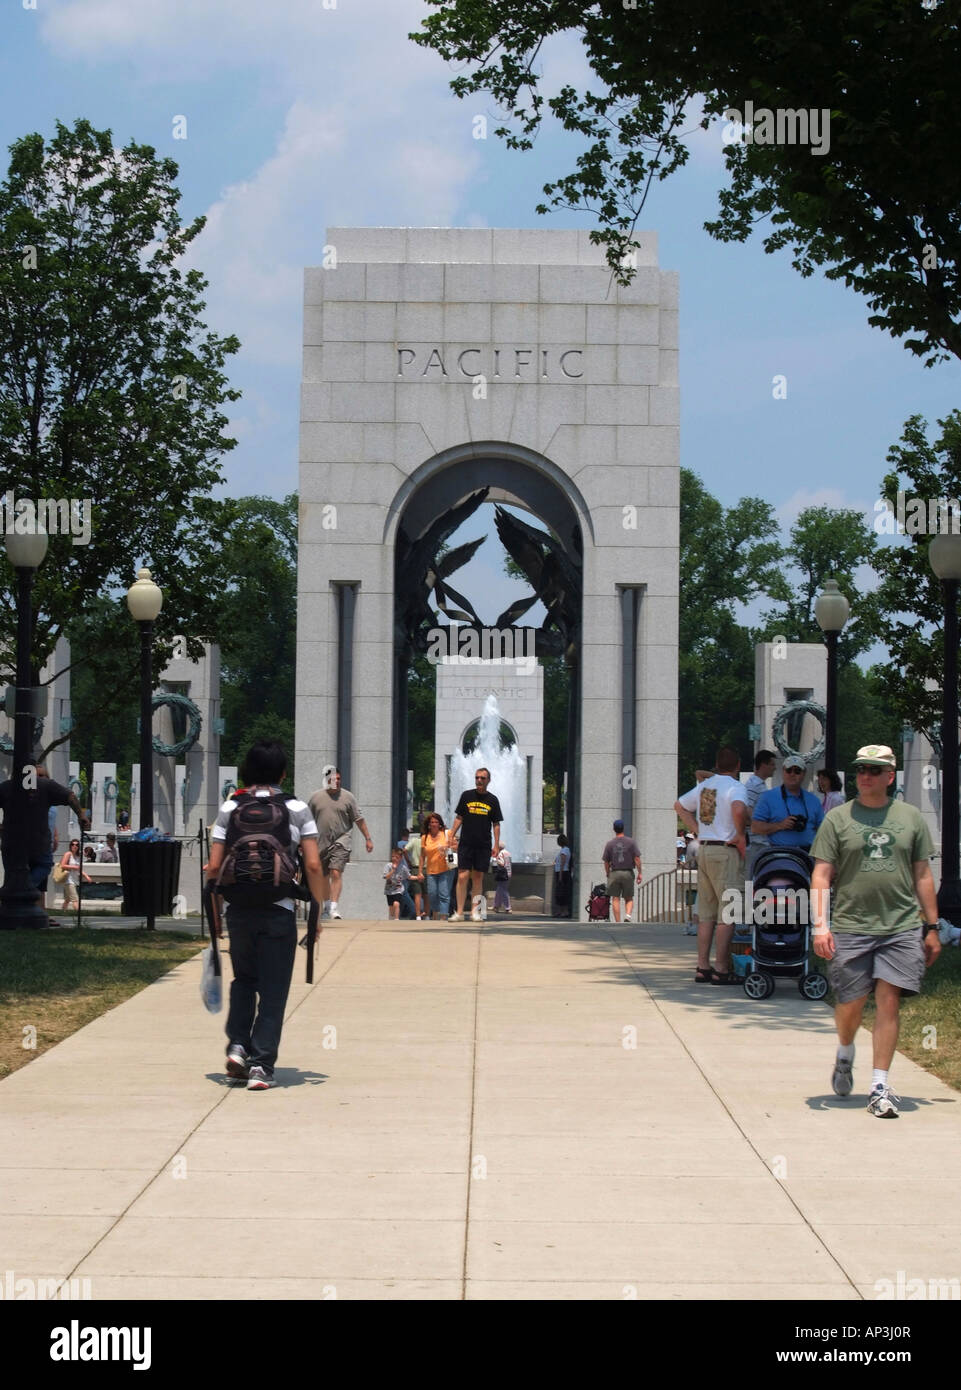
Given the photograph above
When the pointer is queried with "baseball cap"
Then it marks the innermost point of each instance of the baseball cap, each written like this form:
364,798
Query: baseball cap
793,762
878,753
618,825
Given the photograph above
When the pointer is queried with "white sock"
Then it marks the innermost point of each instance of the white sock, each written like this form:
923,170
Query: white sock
846,1052
879,1078
333,905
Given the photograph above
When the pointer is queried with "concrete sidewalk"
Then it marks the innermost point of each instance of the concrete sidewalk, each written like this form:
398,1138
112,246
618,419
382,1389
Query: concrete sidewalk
513,1111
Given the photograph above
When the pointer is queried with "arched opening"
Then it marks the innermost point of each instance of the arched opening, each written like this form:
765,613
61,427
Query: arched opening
427,511
471,736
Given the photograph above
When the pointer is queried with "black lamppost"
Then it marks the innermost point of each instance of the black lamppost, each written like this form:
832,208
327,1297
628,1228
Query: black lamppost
831,610
944,555
19,900
145,601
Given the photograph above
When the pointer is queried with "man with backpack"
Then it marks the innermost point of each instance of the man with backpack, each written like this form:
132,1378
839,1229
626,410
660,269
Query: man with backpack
253,863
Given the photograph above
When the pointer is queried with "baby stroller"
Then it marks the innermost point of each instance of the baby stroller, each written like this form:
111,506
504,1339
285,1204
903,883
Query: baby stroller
781,927
599,904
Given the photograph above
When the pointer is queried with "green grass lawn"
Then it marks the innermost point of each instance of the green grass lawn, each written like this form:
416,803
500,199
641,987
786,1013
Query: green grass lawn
56,981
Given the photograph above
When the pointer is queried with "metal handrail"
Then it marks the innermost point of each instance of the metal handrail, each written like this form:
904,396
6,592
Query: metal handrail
666,897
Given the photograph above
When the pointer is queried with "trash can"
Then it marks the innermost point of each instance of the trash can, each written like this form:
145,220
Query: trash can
150,873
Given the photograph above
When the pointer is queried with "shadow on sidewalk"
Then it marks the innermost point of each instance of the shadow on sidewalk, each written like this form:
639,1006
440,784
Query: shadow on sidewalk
284,1079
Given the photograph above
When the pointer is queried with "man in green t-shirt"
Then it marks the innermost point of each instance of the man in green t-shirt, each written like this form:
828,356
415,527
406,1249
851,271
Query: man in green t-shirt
883,932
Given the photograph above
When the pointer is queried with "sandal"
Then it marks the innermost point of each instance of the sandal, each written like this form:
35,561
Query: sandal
704,975
727,978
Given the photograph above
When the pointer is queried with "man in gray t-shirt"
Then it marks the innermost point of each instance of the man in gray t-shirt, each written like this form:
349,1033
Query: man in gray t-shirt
621,858
335,812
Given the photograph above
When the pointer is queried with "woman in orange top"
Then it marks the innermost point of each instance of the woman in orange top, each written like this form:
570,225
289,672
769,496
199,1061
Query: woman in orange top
434,844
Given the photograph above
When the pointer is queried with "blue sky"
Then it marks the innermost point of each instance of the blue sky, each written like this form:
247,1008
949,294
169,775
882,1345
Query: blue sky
316,113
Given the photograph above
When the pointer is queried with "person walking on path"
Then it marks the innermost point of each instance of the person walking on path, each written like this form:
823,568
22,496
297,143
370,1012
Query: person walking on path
883,929
263,939
503,868
787,817
622,859
715,810
480,814
72,865
335,812
435,843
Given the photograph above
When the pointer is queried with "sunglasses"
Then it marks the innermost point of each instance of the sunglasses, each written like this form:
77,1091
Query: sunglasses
869,769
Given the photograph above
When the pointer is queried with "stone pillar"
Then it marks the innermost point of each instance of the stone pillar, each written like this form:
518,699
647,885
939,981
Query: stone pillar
786,671
921,787
103,804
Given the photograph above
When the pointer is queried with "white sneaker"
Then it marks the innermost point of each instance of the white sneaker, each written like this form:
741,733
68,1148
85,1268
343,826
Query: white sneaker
456,917
842,1079
260,1080
883,1103
335,915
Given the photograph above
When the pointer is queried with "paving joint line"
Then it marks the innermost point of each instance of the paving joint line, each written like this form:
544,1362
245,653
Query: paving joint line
470,1126
737,1125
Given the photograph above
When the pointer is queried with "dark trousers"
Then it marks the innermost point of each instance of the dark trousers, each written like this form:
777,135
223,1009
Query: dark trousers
263,943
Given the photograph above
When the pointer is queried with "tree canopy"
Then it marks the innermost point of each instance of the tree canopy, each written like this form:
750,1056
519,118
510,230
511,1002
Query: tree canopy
826,543
111,388
876,204
910,599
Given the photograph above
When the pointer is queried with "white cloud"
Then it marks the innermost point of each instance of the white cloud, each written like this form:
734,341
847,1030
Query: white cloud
833,497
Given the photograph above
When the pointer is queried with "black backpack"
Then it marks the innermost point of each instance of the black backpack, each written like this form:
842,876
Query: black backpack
260,864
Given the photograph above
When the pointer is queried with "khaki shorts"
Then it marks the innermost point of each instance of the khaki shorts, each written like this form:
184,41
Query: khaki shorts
620,884
720,870
334,857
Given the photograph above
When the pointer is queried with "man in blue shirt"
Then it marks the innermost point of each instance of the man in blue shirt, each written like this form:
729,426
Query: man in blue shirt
787,816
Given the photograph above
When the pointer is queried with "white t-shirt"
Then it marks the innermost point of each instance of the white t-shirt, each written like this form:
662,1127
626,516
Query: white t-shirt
302,826
711,801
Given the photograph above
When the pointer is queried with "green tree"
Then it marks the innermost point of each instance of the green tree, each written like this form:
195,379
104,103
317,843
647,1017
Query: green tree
909,598
111,389
728,556
865,715
557,684
253,620
825,542
877,205
256,621
421,703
